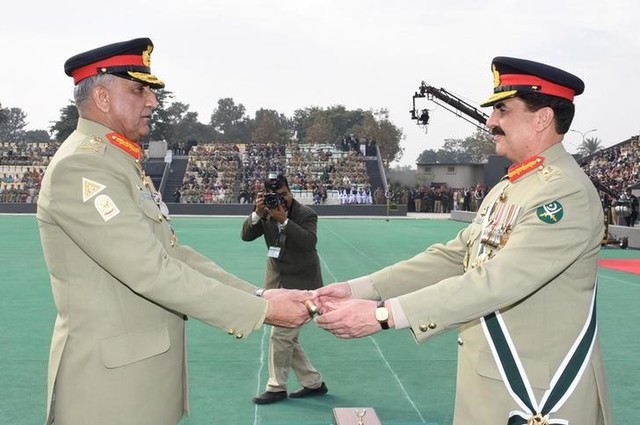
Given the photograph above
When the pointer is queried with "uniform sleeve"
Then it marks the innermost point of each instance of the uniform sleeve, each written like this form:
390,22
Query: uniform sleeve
535,254
124,234
438,262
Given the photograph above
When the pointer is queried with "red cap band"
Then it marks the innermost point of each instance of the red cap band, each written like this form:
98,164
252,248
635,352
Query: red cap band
92,69
545,87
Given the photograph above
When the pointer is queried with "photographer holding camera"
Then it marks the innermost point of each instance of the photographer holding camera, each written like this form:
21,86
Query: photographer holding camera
289,231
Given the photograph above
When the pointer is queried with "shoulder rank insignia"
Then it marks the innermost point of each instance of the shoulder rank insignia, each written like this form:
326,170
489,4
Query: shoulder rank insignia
94,143
550,213
90,189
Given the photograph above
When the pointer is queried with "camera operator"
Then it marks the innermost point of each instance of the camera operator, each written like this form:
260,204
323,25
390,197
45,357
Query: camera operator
289,231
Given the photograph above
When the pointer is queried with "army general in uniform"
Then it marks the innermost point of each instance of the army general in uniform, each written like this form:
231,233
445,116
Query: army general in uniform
519,283
122,283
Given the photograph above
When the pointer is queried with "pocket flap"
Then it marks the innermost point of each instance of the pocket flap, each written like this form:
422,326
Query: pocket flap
135,346
537,371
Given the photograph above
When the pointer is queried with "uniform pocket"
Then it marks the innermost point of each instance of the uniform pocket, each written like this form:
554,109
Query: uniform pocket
135,346
537,371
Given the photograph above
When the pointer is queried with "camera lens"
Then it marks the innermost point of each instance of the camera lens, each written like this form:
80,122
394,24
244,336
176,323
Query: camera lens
272,200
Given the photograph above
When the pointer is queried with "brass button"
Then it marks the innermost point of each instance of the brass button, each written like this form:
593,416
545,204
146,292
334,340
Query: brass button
231,331
160,217
460,341
239,335
432,325
423,327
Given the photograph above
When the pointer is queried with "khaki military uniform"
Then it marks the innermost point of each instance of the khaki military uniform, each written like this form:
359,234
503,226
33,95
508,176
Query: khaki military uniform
123,286
537,267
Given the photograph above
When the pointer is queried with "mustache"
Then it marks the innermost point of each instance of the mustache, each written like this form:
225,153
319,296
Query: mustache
497,131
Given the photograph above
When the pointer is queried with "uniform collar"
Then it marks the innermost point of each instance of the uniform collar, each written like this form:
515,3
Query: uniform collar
133,149
518,170
119,141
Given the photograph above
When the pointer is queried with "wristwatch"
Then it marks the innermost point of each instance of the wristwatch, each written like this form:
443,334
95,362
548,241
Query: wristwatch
382,315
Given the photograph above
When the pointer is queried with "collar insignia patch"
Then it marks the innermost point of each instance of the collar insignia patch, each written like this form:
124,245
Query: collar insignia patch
550,213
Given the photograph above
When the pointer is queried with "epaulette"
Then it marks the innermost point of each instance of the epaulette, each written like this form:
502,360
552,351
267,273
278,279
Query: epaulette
549,172
92,144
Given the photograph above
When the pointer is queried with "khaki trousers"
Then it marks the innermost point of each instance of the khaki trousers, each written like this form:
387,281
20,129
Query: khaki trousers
285,352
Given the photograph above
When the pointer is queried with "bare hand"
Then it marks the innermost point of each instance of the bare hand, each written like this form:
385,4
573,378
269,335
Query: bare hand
350,318
270,293
278,213
331,295
287,309
260,208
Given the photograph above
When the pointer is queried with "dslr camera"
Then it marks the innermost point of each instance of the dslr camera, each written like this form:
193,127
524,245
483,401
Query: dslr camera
273,183
272,200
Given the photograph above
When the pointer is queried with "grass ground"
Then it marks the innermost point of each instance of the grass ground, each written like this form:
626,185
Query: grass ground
406,383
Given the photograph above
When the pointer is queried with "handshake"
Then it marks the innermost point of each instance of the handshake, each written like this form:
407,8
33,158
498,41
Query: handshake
337,312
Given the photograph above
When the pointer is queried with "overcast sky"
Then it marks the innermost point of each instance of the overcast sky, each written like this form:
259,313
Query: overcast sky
363,54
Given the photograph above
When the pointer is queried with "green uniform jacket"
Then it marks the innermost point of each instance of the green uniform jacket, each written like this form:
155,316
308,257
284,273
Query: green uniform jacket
298,266
541,279
123,286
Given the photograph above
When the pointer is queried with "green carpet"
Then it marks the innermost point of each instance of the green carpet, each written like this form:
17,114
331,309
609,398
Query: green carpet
406,383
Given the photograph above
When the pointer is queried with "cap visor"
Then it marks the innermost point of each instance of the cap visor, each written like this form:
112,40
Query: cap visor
496,97
145,78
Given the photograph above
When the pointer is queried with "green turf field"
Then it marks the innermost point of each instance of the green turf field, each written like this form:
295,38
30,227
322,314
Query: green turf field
406,383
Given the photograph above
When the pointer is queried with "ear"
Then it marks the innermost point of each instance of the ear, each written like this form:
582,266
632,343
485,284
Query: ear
102,98
545,118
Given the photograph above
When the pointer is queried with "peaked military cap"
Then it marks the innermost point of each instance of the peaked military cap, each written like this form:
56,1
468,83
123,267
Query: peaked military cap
127,59
513,77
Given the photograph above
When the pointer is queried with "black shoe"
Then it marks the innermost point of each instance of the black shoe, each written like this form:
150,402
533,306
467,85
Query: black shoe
308,392
268,397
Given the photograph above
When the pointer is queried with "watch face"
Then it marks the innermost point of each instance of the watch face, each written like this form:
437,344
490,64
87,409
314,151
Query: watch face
382,314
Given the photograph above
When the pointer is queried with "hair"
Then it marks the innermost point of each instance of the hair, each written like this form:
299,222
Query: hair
563,109
82,90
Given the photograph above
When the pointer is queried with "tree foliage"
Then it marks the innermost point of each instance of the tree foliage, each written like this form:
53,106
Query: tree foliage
12,124
229,120
589,146
475,148
67,123
270,126
172,121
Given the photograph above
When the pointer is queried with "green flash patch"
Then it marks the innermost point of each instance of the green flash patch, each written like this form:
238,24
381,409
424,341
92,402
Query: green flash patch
550,213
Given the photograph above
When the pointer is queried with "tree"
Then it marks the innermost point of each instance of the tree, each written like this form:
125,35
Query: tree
189,128
589,146
36,136
229,120
161,117
67,123
475,148
12,124
270,126
376,127
320,130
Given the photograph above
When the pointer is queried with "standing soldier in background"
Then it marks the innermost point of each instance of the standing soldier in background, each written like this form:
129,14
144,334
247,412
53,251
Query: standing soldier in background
122,284
289,230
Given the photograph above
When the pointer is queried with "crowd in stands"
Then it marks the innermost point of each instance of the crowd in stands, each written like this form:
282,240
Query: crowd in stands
229,173
216,172
22,166
613,170
211,174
